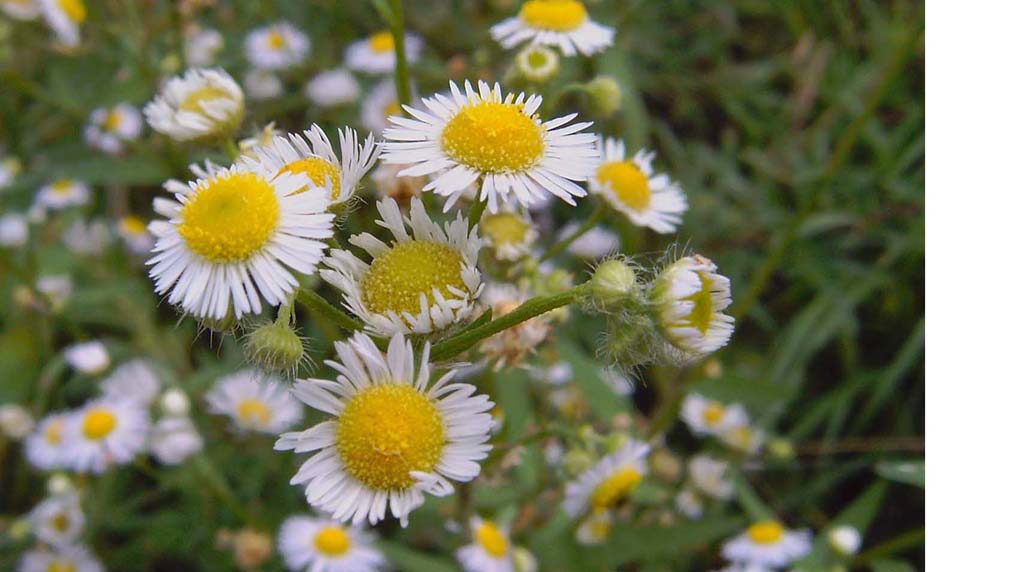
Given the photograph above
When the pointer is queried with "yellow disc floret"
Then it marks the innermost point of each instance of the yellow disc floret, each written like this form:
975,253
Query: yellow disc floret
230,217
615,488
505,228
491,539
628,183
387,431
703,312
332,541
766,532
494,137
193,101
98,423
54,432
74,9
713,413
63,186
320,171
113,120
555,15
382,42
133,225
276,41
398,277
61,522
253,413
61,565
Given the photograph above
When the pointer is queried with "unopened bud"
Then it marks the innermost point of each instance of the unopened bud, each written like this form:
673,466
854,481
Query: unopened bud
537,63
781,449
15,421
612,284
605,95
275,346
576,461
617,441
174,402
523,560
59,484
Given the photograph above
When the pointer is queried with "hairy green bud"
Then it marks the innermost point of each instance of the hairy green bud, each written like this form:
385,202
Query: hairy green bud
275,346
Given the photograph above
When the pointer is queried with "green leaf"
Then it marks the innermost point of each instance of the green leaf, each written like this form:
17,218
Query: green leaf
886,565
410,560
909,472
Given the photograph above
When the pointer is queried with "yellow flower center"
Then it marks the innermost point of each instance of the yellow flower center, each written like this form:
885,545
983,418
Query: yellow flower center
387,431
556,15
63,186
713,413
253,413
491,539
505,228
382,42
61,566
628,183
230,217
615,488
276,41
397,278
537,59
766,532
61,523
98,423
113,120
332,541
133,225
75,10
54,432
193,101
494,137
319,171
703,312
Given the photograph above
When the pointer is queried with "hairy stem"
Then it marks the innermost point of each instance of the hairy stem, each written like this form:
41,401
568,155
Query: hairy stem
315,303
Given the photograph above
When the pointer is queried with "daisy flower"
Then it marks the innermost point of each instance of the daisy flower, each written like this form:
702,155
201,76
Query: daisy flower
561,23
262,84
511,346
420,283
255,401
58,520
132,230
610,481
710,476
491,550
394,435
597,242
709,417
276,47
318,544
47,447
202,46
537,63
89,358
62,194
313,155
174,439
743,438
631,187
511,234
13,230
202,104
64,17
110,128
768,543
24,10
379,104
332,88
134,380
235,238
104,432
376,54
595,529
689,297
87,238
495,140
73,558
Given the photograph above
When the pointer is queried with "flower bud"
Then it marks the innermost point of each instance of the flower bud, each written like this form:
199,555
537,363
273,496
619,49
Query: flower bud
605,95
576,461
275,346
781,449
616,441
15,421
226,325
845,540
612,284
537,64
59,484
175,403
523,560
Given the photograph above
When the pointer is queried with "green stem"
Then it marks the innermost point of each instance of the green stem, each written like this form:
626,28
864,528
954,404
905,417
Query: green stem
219,487
466,339
231,148
316,304
595,217
402,85
476,212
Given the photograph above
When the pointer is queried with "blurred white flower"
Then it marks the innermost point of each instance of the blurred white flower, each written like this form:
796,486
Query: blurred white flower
87,238
202,46
106,432
332,88
845,539
175,402
47,448
769,544
135,234
89,358
610,481
376,54
255,402
134,380
109,128
74,558
710,476
62,194
64,17
379,104
13,230
561,23
24,10
262,84
689,503
276,47
491,550
172,440
16,422
58,520
318,544
709,417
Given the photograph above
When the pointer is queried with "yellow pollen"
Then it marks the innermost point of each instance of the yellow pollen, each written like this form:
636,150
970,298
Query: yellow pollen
387,431
276,40
491,539
703,312
627,182
494,137
505,228
61,523
230,217
615,488
63,186
253,413
54,432
766,532
98,423
382,42
318,170
113,120
133,225
61,566
555,15
75,10
713,413
332,541
193,102
398,277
